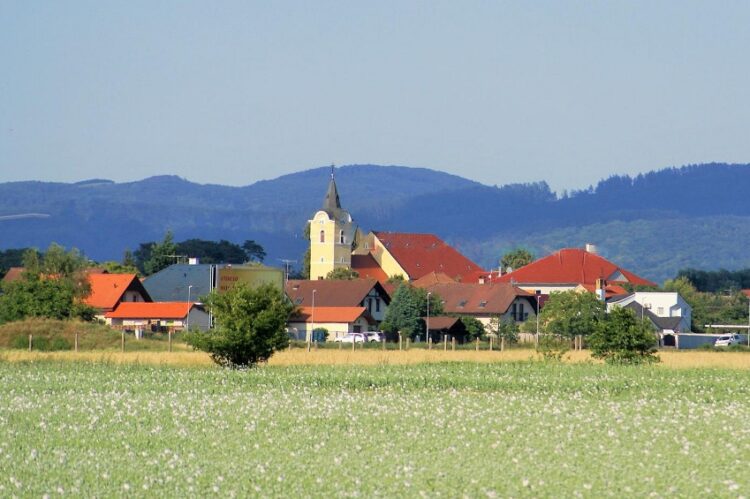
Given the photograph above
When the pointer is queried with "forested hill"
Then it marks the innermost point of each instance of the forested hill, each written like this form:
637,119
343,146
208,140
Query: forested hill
656,223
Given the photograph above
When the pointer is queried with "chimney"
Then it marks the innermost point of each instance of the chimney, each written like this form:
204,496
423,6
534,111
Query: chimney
591,248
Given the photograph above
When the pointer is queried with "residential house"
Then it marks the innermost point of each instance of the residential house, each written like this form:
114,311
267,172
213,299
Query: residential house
338,321
367,293
108,291
570,268
158,316
667,311
485,301
442,326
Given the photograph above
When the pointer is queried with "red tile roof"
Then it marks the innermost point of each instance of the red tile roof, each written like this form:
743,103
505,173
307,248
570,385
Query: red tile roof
420,254
478,299
333,293
368,268
13,274
746,292
610,290
151,310
572,266
433,278
330,314
107,289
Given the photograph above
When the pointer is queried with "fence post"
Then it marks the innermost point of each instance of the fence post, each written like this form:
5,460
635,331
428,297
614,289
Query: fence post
453,343
445,343
408,341
477,343
76,341
383,339
400,341
490,343
502,343
122,341
170,340
353,344
30,338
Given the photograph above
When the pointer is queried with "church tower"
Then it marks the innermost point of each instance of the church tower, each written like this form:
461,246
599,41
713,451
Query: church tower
331,235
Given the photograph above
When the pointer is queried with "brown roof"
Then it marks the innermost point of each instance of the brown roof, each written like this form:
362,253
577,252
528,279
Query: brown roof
442,322
333,293
420,254
433,278
474,298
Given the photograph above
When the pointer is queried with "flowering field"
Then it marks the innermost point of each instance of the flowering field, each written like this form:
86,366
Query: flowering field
450,429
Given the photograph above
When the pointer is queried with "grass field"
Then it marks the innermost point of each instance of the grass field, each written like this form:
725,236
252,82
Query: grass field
475,429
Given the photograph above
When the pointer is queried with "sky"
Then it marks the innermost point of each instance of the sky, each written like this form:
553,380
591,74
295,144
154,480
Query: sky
499,92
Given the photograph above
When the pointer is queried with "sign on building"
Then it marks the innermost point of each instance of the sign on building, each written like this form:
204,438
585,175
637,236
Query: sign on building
253,276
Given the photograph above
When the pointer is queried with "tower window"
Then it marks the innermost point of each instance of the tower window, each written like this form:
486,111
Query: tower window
341,237
322,236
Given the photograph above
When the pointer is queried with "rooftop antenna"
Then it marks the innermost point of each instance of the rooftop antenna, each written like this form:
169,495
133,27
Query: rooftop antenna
287,263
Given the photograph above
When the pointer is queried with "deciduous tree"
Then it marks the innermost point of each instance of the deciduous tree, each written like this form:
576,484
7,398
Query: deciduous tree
623,339
250,325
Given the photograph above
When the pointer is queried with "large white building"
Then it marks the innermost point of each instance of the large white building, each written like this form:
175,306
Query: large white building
668,310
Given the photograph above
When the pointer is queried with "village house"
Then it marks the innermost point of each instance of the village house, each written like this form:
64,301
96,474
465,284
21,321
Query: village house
573,268
484,301
337,321
367,293
108,291
158,317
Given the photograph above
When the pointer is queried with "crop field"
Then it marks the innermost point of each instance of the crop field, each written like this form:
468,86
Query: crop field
433,429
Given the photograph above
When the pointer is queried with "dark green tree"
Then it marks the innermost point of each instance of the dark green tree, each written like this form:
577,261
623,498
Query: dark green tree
516,258
623,339
253,251
11,258
161,255
250,325
407,309
212,251
474,327
53,286
342,274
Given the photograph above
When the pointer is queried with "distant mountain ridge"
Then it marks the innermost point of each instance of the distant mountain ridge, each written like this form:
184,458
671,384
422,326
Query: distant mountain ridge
651,222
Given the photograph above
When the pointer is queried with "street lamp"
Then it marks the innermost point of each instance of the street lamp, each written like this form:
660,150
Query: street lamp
187,319
427,333
538,293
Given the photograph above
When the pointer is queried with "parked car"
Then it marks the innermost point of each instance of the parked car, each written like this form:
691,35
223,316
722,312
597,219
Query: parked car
351,338
727,340
375,336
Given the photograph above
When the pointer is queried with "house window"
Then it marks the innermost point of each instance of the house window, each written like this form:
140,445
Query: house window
482,304
513,312
521,316
462,303
377,304
341,237
322,236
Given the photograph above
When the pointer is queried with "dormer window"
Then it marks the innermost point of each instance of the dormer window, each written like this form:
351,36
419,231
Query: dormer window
482,304
462,303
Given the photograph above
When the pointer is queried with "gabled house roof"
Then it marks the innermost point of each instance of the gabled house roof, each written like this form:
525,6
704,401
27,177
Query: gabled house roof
478,299
331,314
441,322
368,268
107,289
333,293
572,266
420,254
151,310
13,274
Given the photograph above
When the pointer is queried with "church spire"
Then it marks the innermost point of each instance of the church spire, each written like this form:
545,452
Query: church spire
332,204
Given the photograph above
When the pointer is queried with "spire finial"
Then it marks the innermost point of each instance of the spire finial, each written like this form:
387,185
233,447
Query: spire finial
332,168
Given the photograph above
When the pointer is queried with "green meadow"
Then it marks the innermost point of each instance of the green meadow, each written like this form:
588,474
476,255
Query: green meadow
435,430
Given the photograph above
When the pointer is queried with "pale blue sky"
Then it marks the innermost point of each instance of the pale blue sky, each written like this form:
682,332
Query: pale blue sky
234,92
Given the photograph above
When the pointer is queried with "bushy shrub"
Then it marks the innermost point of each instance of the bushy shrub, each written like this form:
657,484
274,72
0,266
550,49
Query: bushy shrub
622,339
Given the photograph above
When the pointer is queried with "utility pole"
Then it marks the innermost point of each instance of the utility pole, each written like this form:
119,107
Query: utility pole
287,264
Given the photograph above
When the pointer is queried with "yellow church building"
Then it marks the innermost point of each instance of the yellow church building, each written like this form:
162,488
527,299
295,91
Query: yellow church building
379,255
